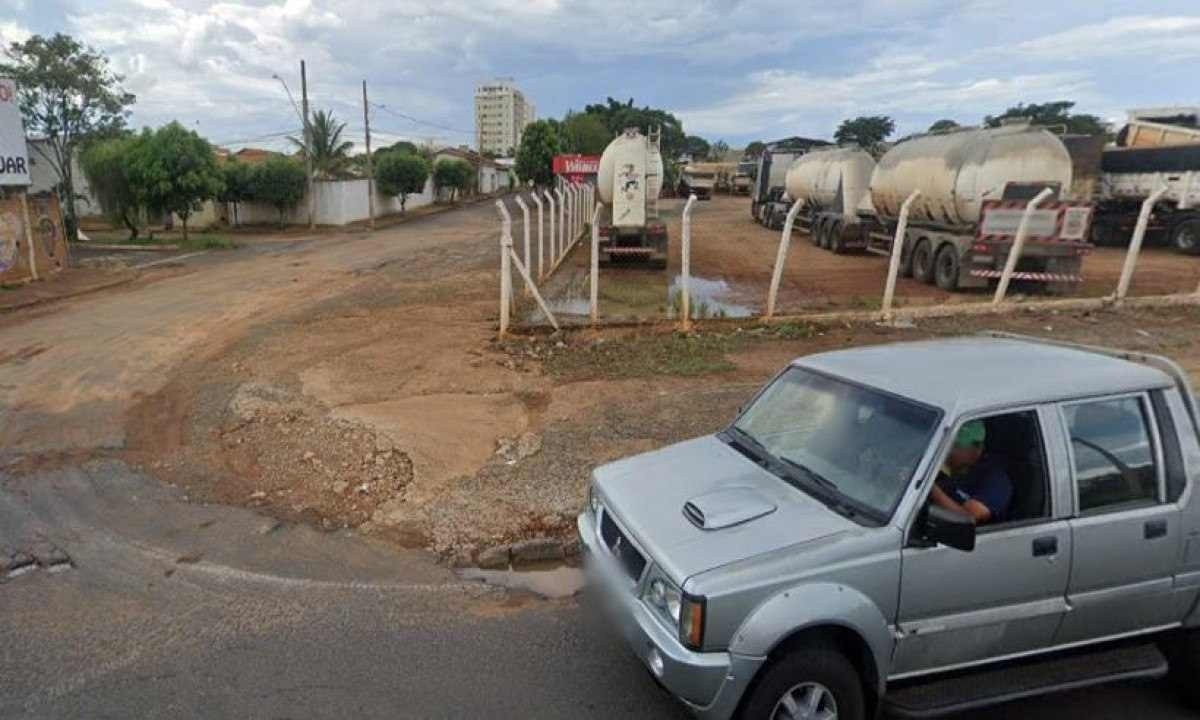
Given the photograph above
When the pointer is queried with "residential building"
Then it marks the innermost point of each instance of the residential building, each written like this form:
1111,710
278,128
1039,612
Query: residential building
501,114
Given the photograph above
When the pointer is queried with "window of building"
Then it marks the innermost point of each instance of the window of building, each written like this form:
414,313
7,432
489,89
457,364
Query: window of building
1114,460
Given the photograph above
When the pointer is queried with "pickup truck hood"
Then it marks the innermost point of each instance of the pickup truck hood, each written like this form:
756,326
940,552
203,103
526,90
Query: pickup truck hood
746,509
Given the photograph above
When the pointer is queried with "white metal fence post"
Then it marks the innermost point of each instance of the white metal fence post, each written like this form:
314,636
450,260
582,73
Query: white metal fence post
785,239
889,289
553,236
685,264
505,270
541,249
562,224
525,214
1014,254
1135,243
594,290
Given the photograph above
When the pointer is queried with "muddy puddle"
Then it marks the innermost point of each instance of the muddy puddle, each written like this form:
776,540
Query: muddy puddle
552,581
711,298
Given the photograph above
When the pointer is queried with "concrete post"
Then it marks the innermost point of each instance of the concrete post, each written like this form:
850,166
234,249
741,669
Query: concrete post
685,264
889,290
785,240
562,224
1135,243
594,289
505,271
525,214
553,236
1014,255
541,248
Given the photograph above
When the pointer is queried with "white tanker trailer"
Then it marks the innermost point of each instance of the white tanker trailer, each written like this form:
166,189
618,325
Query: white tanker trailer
832,185
629,182
974,185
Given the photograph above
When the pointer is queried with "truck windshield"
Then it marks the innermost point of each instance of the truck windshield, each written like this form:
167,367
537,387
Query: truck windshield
842,442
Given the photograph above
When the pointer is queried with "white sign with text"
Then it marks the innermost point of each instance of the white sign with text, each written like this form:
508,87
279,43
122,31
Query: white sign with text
14,160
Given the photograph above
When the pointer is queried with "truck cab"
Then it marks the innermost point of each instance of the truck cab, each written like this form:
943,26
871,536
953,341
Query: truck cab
799,564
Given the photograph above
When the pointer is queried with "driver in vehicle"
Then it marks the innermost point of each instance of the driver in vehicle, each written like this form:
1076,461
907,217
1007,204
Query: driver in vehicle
972,482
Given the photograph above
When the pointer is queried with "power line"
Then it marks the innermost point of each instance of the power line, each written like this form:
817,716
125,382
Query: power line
419,121
264,136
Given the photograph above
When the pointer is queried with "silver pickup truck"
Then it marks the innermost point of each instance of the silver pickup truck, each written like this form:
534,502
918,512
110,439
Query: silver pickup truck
793,566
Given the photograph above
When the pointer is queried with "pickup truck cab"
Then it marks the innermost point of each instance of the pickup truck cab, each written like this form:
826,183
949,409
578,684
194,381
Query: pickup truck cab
792,566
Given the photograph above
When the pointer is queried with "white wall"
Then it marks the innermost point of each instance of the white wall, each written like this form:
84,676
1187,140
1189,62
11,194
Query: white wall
338,202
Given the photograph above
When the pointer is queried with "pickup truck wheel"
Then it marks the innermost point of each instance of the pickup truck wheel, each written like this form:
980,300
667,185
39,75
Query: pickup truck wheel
814,683
1182,649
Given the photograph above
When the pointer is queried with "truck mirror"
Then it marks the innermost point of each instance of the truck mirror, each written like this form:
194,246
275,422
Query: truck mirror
950,528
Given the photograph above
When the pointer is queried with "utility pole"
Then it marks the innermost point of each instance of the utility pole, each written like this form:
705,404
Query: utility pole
370,164
308,148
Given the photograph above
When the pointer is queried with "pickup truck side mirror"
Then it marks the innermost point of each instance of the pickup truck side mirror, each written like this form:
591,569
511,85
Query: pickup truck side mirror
949,528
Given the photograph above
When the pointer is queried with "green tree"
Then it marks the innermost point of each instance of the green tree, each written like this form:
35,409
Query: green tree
67,95
716,152
457,175
237,180
755,149
1051,114
868,131
174,170
584,133
618,116
330,153
535,158
280,182
105,163
943,125
401,173
697,147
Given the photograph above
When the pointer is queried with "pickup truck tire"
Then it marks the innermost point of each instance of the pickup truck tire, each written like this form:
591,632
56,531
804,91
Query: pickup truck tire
813,674
1183,655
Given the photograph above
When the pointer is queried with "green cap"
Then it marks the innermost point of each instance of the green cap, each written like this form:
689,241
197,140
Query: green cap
971,434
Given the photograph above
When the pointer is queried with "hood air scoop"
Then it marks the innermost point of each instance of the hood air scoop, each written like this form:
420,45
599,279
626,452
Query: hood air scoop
726,507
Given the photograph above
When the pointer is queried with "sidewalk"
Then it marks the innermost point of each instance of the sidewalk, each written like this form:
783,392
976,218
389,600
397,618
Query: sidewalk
71,282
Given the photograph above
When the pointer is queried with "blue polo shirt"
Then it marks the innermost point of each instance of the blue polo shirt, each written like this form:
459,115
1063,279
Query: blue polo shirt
986,482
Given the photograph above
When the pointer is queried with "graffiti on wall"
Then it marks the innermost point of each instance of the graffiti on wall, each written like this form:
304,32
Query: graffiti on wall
12,228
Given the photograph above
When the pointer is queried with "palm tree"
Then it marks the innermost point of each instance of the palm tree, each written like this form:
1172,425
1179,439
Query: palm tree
331,154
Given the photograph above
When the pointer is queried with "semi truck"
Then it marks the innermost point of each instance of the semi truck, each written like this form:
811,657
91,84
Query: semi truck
628,182
974,184
743,177
768,204
834,187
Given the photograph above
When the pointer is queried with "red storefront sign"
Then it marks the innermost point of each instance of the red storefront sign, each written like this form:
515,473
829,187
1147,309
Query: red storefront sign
575,167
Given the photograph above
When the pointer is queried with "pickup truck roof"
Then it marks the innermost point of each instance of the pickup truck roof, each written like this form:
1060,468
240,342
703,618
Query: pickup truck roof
981,372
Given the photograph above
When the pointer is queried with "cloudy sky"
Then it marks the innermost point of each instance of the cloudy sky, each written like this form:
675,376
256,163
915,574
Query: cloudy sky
733,70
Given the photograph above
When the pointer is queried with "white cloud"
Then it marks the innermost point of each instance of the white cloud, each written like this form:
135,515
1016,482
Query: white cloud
1175,36
11,31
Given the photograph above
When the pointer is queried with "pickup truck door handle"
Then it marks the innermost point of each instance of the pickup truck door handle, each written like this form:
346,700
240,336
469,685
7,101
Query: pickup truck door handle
1045,546
1155,529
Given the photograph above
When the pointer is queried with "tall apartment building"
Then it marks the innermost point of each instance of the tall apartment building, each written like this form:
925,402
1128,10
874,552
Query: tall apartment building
501,114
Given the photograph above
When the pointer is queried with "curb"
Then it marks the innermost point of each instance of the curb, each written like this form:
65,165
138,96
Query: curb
4,309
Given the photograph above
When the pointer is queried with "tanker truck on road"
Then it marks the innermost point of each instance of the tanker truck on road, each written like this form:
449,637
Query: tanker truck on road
628,183
974,184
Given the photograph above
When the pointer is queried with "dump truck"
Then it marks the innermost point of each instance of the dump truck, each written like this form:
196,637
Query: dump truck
974,186
699,179
1151,154
743,177
628,182
833,186
768,203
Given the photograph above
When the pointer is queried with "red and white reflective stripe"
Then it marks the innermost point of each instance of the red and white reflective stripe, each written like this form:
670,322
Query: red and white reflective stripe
1039,276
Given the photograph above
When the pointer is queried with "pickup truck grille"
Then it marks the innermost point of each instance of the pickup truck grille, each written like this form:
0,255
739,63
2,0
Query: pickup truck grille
620,547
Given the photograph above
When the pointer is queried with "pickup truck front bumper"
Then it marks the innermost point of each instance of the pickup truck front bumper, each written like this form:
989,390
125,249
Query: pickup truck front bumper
709,683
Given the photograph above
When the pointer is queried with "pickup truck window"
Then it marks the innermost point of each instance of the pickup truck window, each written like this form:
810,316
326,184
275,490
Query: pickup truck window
1113,455
860,444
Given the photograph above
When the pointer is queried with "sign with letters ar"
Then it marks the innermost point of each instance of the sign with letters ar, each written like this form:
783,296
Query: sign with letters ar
14,161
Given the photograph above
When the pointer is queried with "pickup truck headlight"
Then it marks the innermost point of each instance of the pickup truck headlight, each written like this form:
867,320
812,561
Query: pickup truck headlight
680,610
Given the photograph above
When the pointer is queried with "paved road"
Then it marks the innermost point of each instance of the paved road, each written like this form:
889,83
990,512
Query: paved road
154,606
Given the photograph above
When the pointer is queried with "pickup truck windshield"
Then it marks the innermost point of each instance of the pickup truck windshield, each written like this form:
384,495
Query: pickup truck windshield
835,437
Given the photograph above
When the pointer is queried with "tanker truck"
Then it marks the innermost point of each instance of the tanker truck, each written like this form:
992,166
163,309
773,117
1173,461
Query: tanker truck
628,183
832,185
768,203
974,185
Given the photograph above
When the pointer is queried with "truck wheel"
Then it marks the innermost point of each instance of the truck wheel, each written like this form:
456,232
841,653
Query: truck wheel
1182,649
814,683
837,242
824,237
922,261
1106,232
946,267
1185,236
